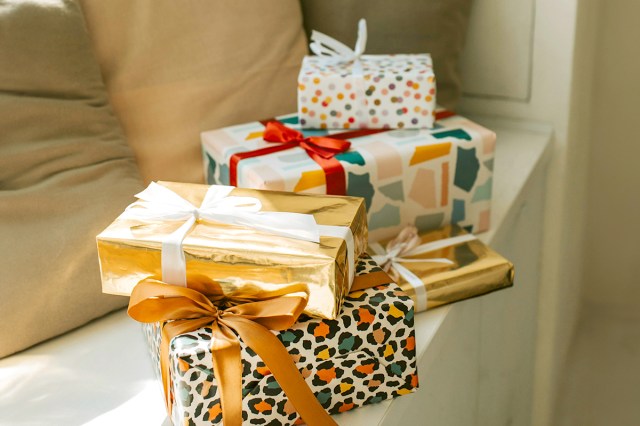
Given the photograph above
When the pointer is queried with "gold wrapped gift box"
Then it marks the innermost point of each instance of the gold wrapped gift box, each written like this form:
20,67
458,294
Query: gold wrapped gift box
245,261
462,268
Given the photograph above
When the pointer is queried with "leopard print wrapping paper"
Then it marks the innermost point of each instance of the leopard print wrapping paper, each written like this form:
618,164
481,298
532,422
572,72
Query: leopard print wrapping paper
366,355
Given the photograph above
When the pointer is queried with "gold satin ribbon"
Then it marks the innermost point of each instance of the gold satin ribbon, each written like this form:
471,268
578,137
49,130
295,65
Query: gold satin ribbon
190,308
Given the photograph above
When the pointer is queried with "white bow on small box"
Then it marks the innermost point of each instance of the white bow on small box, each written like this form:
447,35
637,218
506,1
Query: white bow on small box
401,249
324,45
338,52
340,87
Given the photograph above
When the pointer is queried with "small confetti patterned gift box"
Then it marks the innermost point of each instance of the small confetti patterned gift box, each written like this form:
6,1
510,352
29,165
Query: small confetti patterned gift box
343,89
365,356
390,91
426,178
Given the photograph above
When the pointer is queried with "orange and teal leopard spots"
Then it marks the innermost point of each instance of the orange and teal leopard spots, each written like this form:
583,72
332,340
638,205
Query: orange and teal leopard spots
321,330
414,381
373,383
206,388
263,406
395,312
263,371
346,407
345,387
410,343
215,411
183,366
388,351
365,369
366,317
324,354
327,375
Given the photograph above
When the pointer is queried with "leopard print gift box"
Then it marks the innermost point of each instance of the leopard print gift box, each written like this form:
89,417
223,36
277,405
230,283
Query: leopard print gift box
365,356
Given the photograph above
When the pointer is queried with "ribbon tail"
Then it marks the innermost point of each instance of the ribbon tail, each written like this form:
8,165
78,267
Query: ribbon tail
227,368
335,176
292,225
276,357
442,260
440,244
377,250
173,263
416,283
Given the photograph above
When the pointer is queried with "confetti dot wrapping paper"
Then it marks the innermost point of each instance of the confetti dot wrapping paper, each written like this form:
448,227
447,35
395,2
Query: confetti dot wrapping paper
376,91
427,178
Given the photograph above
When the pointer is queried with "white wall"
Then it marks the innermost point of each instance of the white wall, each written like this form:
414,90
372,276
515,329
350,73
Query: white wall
561,56
613,220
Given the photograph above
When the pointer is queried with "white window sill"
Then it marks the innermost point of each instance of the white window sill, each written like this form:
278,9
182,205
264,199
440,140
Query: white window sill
522,151
101,374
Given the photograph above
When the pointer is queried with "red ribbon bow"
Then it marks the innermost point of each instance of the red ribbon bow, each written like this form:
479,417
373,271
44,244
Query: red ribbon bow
321,149
325,147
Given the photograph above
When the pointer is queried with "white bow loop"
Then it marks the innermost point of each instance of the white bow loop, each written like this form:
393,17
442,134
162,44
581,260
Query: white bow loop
324,45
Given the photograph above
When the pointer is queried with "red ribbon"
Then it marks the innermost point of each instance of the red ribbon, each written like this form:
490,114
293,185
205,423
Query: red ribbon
321,149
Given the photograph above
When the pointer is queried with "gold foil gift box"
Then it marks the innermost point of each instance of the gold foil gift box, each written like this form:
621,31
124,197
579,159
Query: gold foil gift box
249,241
443,266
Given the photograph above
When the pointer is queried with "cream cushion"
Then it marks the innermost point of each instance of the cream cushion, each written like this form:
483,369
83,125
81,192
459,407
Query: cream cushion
174,69
65,173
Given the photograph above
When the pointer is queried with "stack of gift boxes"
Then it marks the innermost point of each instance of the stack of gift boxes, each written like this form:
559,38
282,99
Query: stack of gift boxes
267,301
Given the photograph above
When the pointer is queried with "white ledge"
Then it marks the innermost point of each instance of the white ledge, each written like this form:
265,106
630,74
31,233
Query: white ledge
522,149
82,377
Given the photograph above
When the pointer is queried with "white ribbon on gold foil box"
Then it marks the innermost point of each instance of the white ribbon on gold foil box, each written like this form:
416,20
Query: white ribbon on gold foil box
245,239
442,266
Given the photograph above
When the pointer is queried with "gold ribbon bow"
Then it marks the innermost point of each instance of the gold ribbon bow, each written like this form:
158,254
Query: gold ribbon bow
188,309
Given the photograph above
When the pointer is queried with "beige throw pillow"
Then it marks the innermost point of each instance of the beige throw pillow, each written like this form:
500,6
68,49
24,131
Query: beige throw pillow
438,27
176,68
65,173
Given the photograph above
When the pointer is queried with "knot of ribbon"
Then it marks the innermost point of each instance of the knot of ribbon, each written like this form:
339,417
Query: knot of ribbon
324,45
185,309
159,203
320,149
316,146
403,248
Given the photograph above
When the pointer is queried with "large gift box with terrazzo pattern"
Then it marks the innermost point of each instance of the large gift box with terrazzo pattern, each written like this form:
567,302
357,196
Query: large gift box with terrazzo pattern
365,356
426,178
375,91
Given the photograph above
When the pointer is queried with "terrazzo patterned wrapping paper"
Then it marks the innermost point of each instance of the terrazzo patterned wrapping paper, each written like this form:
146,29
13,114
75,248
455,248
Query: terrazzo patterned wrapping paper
390,91
365,356
426,178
